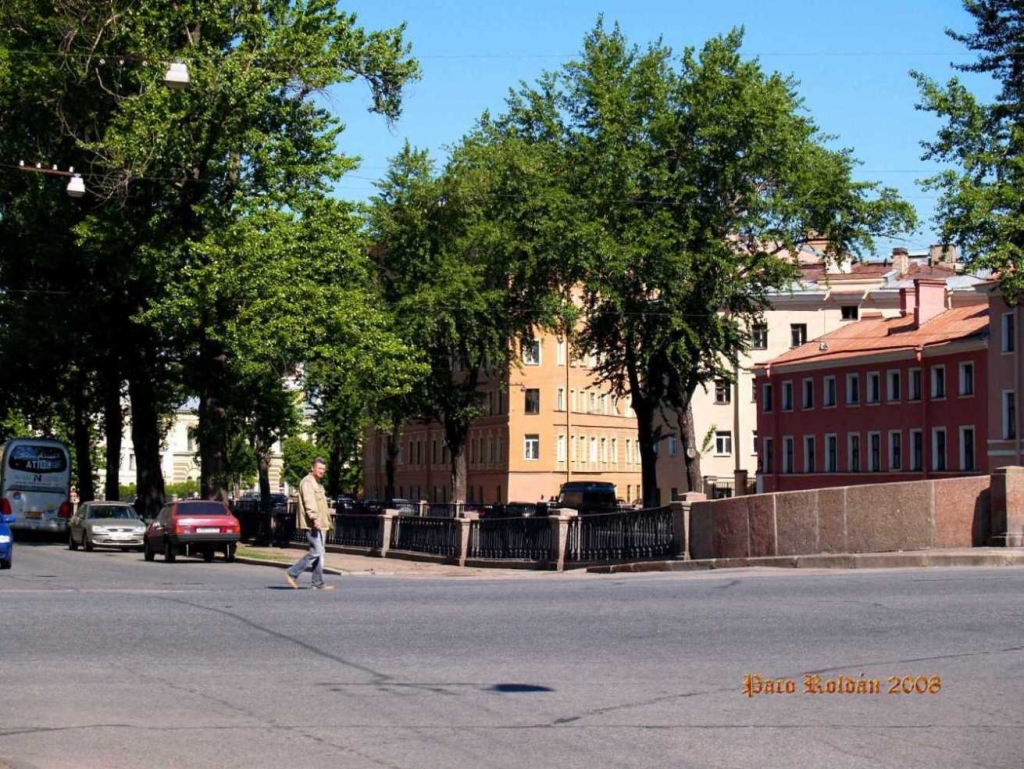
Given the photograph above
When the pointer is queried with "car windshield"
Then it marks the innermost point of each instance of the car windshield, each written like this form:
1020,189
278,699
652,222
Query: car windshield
111,511
202,508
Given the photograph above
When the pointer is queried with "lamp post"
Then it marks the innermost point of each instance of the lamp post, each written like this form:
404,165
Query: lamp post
76,184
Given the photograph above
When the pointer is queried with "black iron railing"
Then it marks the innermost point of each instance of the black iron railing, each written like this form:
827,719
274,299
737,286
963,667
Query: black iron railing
356,531
620,536
425,535
526,539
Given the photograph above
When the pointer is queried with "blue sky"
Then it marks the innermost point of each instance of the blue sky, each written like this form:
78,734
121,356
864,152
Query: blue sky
851,59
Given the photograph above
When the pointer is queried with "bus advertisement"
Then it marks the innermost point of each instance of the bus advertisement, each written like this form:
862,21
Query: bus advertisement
35,484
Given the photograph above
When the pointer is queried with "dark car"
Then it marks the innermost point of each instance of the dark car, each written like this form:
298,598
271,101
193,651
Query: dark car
517,510
192,527
6,541
588,497
344,505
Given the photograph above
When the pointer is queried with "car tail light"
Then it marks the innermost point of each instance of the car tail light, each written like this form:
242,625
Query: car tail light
65,510
5,506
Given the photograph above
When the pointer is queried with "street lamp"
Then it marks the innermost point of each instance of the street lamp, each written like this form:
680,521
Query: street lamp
76,184
176,76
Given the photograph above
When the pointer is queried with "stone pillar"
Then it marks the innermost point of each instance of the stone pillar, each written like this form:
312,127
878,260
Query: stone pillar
560,517
387,525
1007,490
681,521
739,483
463,522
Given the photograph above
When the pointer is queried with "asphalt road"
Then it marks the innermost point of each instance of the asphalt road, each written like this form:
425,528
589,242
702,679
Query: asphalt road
108,661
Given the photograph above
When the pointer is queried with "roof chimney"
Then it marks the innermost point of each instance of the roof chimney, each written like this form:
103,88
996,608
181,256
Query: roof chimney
901,260
931,299
942,254
905,302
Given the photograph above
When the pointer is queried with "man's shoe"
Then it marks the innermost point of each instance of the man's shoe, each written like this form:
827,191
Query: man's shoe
291,581
323,587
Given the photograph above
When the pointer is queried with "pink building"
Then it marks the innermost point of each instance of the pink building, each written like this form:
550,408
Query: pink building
882,399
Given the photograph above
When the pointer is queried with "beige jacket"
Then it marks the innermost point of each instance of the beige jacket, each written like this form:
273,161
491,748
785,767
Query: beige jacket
313,505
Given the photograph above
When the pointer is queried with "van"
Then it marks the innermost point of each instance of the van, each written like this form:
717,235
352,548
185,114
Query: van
588,497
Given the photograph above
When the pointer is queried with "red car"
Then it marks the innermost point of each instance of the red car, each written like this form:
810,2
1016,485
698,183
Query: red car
192,527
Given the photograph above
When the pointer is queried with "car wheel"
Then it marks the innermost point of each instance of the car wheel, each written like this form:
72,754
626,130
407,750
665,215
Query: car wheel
86,542
147,551
169,555
72,545
229,552
208,555
5,564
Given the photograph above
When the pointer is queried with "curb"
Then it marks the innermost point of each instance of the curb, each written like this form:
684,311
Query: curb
823,561
284,565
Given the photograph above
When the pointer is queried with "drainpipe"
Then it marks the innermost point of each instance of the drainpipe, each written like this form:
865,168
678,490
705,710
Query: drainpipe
568,413
738,464
926,432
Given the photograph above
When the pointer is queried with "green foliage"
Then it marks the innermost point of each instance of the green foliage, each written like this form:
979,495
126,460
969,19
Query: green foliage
298,458
981,204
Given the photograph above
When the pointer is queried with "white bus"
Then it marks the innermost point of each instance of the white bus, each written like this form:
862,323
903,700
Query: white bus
35,484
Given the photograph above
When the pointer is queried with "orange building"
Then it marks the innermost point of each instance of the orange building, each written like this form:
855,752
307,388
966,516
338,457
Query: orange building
552,424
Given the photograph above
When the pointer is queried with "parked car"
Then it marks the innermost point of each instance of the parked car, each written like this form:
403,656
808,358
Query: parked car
588,497
6,542
344,505
105,524
192,527
516,510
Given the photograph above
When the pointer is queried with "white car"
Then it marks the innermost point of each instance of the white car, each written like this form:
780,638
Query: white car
105,524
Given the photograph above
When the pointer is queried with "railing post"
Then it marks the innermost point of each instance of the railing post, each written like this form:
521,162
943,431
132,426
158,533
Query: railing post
681,521
560,518
464,525
387,525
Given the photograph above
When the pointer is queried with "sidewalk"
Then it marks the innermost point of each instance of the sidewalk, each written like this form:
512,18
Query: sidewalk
368,566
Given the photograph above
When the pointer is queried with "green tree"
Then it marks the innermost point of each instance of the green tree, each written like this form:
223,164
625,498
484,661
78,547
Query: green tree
299,454
981,204
684,184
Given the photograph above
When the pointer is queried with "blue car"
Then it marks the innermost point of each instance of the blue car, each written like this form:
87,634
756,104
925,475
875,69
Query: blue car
6,542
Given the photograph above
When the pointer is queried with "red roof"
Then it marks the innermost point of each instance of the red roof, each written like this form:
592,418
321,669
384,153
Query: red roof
871,336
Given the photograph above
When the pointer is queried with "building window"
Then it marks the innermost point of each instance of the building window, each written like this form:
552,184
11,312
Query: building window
852,389
629,451
593,403
560,447
915,385
967,462
560,353
583,449
531,447
723,392
593,450
810,460
938,381
433,453
787,455
768,460
671,445
604,403
874,452
895,386
831,453
723,443
895,450
604,450
615,451
798,334
532,405
853,452
759,336
560,399
850,312
1009,341
966,379
766,405
808,399
1009,415
916,451
131,461
830,391
787,396
531,352
492,449
939,449
874,387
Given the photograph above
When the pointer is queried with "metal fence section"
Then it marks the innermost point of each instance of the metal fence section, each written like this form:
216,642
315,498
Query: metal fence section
438,536
620,536
356,531
527,539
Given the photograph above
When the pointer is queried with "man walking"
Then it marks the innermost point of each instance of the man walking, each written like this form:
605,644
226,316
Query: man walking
314,517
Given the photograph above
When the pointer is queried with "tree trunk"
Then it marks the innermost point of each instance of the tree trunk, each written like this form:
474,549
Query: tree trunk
648,459
83,442
459,473
392,458
264,473
146,437
113,428
691,452
213,449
